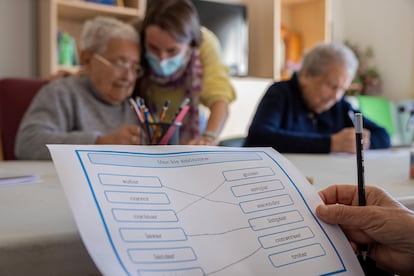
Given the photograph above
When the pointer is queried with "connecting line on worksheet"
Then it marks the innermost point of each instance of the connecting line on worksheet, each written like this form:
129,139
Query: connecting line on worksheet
201,197
219,233
234,263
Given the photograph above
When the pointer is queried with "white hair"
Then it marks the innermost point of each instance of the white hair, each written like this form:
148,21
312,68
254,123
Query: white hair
98,31
323,55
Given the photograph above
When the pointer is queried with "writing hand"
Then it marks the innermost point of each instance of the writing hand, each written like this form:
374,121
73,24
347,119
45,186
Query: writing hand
344,141
203,140
384,224
366,138
124,135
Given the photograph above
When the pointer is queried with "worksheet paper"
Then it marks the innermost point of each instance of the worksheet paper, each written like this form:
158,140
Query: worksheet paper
196,210
12,179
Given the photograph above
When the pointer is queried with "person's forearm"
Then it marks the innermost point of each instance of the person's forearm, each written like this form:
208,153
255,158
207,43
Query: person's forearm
287,141
218,116
379,137
31,142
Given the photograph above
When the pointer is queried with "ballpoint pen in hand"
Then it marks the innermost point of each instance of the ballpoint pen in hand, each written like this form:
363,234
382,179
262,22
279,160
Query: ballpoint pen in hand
360,170
360,159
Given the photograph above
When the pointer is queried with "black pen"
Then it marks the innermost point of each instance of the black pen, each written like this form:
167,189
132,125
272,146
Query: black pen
360,169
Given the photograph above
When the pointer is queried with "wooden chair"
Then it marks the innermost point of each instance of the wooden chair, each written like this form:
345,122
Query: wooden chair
15,97
1,148
381,111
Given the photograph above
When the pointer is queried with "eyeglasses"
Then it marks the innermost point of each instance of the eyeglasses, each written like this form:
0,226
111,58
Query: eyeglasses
121,65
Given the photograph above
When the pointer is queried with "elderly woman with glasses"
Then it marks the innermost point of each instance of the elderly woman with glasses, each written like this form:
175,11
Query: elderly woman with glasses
94,108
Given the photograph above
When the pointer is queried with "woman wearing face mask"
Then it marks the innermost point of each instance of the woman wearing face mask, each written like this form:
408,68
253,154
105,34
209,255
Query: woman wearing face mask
182,60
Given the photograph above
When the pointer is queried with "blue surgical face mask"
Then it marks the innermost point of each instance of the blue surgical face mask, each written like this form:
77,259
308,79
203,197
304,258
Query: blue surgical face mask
168,66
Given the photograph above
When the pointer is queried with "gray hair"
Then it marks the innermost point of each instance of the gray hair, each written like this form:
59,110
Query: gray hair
323,55
98,31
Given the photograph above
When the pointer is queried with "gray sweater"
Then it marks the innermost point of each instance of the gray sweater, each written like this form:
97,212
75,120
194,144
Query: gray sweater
67,111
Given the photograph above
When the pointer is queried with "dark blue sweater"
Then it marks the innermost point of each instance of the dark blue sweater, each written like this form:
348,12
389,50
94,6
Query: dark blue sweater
283,122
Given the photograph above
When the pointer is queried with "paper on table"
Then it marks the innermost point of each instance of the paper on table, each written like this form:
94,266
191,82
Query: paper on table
195,210
17,179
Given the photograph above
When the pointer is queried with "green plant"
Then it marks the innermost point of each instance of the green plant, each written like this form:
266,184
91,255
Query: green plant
367,80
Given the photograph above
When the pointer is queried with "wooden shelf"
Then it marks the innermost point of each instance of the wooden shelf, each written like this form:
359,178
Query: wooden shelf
294,2
309,19
79,10
69,16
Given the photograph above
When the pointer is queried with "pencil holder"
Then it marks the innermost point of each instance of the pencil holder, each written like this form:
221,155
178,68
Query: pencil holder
165,133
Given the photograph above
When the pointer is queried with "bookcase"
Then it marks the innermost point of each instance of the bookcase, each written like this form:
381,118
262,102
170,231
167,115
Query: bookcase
308,20
69,16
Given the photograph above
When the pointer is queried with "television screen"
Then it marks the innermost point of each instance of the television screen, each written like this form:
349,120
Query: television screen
228,21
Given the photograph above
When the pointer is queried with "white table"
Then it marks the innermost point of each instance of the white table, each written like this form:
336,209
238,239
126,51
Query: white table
38,235
388,169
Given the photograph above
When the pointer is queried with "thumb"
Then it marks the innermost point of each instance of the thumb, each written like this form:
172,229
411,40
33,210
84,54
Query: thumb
340,214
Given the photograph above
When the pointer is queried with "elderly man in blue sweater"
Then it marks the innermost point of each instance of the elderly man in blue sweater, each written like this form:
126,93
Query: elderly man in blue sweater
308,114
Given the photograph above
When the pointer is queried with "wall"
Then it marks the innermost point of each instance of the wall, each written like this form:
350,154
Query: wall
18,43
386,26
249,93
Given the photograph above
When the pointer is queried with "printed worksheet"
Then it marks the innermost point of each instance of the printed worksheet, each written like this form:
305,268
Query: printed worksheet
195,210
